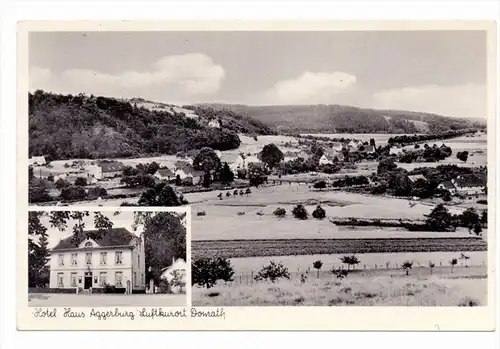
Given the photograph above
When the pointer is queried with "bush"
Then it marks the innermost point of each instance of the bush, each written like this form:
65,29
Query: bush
319,213
483,202
468,302
206,272
300,212
73,193
201,213
320,185
96,192
80,181
273,272
280,212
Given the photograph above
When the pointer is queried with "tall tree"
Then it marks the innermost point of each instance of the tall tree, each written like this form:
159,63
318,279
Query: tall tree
226,175
440,219
271,155
38,252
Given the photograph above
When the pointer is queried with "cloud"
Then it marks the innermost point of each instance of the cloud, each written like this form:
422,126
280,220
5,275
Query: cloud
311,88
180,75
468,100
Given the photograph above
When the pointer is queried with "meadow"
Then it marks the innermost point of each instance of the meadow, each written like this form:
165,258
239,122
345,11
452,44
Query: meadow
464,287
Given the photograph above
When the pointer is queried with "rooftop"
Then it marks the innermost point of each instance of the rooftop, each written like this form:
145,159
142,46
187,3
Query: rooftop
112,237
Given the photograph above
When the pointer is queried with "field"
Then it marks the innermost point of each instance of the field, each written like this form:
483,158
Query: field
295,247
464,287
105,300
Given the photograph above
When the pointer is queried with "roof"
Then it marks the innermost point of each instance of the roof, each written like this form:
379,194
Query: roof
229,157
416,177
165,172
448,185
469,181
112,237
181,163
114,166
369,148
337,144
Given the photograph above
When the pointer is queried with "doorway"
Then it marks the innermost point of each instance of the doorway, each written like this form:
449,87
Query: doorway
88,280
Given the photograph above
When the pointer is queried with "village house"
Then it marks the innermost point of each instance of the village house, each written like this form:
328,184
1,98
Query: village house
337,146
117,259
396,150
102,170
354,144
164,174
37,160
447,185
414,178
214,123
189,172
369,149
177,269
469,185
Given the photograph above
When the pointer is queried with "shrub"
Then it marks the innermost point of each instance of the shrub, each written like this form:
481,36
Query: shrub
201,213
483,202
80,181
350,260
273,272
339,273
73,193
468,302
207,271
320,185
407,265
319,213
280,212
300,212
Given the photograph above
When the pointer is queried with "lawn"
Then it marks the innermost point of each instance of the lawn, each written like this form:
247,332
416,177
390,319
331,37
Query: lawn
381,289
105,300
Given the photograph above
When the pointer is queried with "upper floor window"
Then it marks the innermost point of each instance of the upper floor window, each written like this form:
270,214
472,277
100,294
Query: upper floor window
88,258
61,260
118,257
74,259
88,244
104,258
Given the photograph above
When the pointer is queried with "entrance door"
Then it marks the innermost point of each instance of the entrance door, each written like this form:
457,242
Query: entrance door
88,281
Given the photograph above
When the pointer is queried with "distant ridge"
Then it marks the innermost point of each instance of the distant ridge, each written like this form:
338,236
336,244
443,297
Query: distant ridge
323,118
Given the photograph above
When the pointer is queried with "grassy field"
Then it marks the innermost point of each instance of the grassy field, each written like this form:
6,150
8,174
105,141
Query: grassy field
368,261
105,300
295,247
388,288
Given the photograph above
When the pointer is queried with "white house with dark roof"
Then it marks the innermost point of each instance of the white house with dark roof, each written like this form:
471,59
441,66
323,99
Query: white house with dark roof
164,174
117,259
177,268
469,184
214,123
105,169
337,146
37,160
395,150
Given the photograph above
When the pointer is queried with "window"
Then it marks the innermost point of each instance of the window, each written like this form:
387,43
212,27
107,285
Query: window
104,258
61,260
88,244
118,257
135,278
60,280
118,279
73,279
103,278
88,258
138,261
74,259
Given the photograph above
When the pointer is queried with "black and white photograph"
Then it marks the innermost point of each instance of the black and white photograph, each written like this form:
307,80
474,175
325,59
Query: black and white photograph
106,258
322,168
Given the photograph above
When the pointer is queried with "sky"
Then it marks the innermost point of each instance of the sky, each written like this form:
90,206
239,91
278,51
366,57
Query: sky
124,220
443,72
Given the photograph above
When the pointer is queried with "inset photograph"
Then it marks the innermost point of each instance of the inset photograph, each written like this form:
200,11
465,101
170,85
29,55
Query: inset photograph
107,258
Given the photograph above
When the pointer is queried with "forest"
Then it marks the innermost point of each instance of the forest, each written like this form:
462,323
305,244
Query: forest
67,126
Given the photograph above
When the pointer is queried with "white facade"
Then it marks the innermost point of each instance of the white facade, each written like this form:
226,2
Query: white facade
214,124
91,266
324,160
178,267
37,160
395,151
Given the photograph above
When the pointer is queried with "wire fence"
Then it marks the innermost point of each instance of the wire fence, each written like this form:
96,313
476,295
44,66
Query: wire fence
461,269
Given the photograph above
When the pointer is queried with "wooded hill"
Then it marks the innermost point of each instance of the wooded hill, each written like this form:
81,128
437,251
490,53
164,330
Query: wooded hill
346,119
67,126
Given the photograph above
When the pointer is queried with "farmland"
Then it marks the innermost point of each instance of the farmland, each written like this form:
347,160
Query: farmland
295,247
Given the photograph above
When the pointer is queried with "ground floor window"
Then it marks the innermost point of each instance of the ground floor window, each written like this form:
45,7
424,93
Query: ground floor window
118,278
60,280
103,278
135,278
73,279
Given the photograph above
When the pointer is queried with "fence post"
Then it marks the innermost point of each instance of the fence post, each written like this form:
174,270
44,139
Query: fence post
252,278
364,266
375,266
